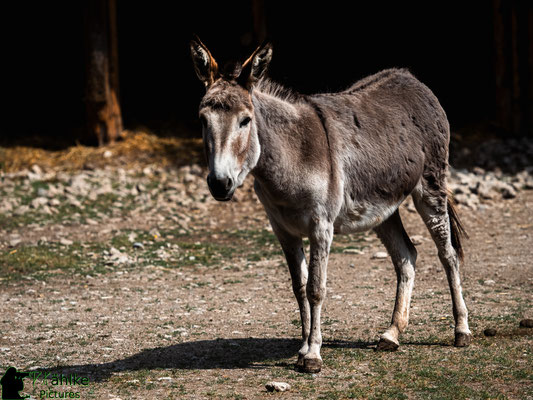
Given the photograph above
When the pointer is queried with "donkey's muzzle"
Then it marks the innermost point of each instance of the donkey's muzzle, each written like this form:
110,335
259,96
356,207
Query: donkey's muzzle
221,188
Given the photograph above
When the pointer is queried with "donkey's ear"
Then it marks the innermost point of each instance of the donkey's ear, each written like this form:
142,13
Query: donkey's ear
204,64
255,67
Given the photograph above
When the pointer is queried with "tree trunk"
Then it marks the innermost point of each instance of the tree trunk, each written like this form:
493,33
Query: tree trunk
102,102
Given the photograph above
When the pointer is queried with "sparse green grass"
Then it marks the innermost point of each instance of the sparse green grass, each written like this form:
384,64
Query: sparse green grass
183,250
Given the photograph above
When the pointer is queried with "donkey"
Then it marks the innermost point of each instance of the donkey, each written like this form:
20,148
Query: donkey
334,163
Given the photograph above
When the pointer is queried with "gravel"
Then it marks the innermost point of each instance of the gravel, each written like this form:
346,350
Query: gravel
179,196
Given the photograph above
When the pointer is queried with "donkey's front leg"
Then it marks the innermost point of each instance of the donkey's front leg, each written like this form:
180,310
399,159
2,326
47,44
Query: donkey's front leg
320,240
294,253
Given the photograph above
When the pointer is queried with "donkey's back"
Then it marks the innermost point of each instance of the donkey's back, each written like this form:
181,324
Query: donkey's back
388,131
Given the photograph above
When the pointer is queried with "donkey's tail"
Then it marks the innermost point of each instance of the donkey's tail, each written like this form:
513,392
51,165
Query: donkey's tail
457,228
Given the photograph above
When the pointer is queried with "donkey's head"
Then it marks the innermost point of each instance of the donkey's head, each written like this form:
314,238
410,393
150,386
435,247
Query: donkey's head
227,114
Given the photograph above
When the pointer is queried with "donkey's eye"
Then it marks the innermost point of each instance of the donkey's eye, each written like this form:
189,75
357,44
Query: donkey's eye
245,122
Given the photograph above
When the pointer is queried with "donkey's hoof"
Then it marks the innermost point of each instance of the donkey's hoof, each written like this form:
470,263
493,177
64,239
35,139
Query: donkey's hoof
462,339
385,344
300,363
312,365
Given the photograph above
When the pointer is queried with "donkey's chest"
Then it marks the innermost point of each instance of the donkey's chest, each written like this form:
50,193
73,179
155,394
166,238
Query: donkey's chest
289,211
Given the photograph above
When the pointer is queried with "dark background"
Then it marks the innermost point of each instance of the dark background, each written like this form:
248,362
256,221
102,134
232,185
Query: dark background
318,46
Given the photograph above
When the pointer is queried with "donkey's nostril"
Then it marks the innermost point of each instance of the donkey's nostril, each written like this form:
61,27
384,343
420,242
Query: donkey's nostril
229,183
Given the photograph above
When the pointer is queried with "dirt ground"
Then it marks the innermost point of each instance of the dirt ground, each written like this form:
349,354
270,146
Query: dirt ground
223,322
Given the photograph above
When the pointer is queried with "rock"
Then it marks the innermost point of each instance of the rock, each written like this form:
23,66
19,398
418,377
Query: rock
488,282
73,201
65,242
277,386
14,242
526,323
22,210
47,210
189,178
115,256
490,332
468,200
379,255
6,207
461,198
417,239
138,245
508,192
197,170
485,190
38,202
353,251
78,185
36,169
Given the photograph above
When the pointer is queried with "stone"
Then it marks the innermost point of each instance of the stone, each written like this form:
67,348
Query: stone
65,242
22,210
379,255
115,256
42,192
38,202
485,190
352,251
277,386
189,178
36,169
417,239
509,192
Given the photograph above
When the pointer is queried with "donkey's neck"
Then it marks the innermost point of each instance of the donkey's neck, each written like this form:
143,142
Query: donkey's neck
275,119
291,134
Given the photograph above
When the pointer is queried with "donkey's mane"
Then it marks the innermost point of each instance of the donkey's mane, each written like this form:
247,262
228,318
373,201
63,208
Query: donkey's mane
274,89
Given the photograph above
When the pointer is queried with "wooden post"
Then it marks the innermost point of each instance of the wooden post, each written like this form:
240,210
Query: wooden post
104,118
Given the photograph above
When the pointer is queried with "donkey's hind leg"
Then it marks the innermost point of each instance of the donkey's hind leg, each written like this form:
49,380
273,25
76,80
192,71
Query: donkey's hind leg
403,255
436,210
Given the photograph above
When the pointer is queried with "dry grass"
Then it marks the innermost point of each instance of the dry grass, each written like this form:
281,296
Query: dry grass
136,148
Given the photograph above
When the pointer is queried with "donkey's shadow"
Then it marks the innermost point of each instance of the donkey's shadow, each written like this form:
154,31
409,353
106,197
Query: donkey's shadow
254,353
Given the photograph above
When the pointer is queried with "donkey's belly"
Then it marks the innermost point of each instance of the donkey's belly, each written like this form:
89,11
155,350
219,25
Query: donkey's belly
358,217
